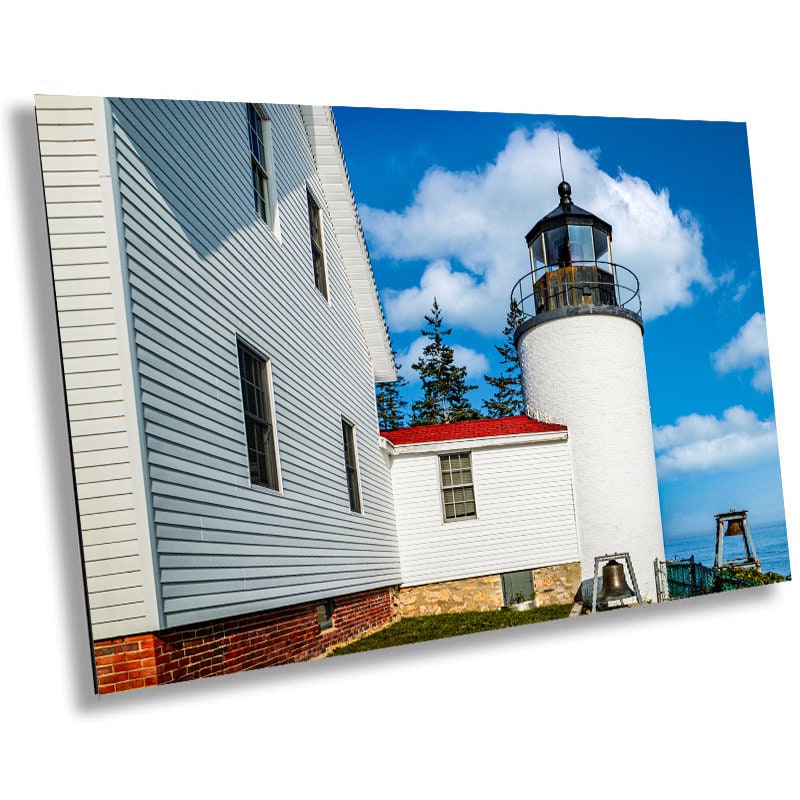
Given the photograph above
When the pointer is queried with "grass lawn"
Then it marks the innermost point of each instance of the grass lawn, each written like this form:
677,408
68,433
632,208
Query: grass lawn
441,626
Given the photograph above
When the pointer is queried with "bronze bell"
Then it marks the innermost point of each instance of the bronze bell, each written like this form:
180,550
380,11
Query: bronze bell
734,528
614,584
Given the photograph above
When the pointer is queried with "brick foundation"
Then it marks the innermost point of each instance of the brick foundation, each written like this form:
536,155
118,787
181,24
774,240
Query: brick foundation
264,639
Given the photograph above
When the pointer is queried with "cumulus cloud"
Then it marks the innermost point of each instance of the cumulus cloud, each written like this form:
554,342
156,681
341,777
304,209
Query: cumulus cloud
747,350
470,227
704,443
475,362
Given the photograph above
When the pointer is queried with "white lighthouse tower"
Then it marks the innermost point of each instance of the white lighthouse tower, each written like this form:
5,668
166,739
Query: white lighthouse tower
582,359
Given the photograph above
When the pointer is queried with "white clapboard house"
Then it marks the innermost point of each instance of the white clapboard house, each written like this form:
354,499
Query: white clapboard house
221,334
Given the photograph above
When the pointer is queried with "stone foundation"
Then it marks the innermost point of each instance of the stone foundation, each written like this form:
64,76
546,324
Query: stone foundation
451,597
234,644
557,585
554,586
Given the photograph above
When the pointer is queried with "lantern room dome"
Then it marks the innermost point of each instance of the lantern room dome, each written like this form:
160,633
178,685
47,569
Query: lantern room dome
567,213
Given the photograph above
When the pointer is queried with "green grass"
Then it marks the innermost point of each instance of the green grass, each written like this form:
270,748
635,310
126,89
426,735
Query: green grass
442,626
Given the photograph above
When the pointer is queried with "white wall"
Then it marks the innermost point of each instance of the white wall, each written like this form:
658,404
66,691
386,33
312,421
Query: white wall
523,496
588,372
99,382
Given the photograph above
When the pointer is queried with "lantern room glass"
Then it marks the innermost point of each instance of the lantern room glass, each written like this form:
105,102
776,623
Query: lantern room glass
569,244
581,244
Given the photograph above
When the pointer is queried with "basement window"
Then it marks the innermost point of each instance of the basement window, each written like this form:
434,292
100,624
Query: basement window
458,492
325,615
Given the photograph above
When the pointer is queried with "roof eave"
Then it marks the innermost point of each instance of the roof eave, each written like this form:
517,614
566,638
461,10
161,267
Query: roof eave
478,442
327,149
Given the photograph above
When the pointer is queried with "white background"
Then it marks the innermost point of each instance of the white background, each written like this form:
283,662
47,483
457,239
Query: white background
660,702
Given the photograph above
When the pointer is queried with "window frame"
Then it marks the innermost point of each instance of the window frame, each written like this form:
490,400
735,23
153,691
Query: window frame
325,609
352,472
317,247
262,167
444,489
254,420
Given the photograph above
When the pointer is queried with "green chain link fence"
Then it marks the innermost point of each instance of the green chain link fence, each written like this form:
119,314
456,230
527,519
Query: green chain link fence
690,578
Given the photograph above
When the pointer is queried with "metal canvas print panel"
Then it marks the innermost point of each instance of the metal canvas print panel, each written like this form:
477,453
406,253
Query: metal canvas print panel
339,378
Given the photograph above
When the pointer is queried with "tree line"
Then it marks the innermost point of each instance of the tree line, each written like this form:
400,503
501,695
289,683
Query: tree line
444,387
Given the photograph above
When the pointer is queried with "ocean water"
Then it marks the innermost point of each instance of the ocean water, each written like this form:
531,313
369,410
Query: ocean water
770,542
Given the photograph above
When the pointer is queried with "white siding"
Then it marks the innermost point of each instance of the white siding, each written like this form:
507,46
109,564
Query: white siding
523,496
98,378
204,269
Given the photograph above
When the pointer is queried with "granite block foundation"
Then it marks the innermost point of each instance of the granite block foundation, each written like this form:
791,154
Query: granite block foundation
557,585
554,585
451,597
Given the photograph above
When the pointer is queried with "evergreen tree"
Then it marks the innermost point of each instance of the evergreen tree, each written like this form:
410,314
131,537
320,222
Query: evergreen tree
507,398
443,383
390,402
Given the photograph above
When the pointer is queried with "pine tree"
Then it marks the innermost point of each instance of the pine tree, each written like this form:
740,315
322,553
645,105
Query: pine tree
389,401
507,398
443,383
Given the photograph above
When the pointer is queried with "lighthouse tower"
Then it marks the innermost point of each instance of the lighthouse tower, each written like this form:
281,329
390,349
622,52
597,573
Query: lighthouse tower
582,359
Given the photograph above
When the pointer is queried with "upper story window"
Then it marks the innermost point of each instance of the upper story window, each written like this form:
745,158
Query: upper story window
259,420
458,491
317,250
351,465
264,196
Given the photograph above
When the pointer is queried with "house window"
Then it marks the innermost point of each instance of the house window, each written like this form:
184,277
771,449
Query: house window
351,465
261,164
317,254
325,615
458,492
259,422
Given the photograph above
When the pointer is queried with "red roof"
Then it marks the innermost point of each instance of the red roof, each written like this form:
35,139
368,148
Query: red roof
473,429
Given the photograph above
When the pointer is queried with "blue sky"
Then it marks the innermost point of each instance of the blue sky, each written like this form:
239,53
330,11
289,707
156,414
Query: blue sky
447,197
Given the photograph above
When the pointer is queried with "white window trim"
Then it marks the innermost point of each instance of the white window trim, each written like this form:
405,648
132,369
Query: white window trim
271,199
450,520
260,487
360,511
326,295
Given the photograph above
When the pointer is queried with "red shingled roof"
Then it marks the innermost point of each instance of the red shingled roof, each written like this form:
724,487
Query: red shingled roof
474,429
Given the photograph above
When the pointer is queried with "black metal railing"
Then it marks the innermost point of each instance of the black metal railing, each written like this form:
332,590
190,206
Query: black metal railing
579,283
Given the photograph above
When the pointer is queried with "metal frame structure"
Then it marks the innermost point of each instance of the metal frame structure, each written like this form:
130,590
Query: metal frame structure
751,559
606,558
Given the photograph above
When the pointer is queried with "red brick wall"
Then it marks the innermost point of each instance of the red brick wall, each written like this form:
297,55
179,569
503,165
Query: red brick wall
234,644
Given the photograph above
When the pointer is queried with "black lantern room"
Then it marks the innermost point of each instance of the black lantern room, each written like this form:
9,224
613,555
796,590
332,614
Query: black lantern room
570,251
571,269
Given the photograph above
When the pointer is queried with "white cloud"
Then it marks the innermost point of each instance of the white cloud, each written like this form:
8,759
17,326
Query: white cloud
747,350
475,362
704,443
407,308
471,227
741,290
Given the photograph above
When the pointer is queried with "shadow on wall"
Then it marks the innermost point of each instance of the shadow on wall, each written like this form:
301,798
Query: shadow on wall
198,164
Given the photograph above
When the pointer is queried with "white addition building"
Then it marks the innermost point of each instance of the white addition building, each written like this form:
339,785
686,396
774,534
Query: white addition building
221,334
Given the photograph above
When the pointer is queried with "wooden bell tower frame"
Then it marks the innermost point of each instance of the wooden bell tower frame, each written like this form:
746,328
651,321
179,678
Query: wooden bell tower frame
739,517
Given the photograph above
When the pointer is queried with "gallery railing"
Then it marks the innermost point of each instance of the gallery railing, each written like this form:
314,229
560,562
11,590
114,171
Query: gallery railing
577,284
